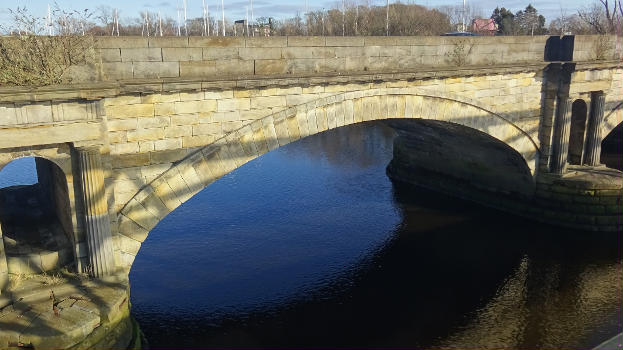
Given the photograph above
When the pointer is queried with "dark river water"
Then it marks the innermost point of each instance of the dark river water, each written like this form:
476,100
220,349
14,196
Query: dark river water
312,246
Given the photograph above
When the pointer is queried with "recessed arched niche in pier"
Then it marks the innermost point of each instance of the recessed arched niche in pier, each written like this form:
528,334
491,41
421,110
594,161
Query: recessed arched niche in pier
577,134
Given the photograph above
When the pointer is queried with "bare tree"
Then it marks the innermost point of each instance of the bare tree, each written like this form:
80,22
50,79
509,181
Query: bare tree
604,17
455,13
363,19
31,58
570,25
347,17
106,16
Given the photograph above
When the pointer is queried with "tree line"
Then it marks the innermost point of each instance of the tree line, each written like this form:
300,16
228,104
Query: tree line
348,19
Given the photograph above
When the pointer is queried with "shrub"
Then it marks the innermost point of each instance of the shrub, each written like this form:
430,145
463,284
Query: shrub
29,58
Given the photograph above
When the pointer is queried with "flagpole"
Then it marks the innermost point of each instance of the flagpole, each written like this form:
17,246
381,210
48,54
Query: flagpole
160,22
203,14
223,15
387,19
185,26
50,33
252,18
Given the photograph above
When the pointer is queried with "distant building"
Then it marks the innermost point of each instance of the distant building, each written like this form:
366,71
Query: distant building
484,26
241,27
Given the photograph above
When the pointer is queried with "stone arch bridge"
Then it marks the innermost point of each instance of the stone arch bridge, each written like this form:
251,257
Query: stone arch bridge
155,120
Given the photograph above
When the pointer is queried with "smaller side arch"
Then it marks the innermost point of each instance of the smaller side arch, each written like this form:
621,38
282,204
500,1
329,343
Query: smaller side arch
36,220
577,133
60,155
57,156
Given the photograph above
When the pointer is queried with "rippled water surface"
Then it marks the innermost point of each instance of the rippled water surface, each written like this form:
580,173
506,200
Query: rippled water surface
312,246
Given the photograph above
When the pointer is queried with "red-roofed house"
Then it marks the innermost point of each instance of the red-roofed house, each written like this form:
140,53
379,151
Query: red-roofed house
484,26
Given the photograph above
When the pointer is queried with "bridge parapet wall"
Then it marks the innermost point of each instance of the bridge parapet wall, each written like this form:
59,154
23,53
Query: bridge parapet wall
597,47
217,57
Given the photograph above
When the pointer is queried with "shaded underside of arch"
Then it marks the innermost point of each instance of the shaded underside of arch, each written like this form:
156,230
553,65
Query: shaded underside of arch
190,175
613,118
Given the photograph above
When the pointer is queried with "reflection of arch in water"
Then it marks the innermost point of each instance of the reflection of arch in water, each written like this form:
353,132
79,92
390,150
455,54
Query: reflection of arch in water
542,306
190,175
577,134
36,220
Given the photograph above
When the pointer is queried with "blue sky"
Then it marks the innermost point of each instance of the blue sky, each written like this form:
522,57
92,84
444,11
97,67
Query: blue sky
277,8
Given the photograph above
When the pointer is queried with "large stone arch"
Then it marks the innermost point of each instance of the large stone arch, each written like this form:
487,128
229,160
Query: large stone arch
204,166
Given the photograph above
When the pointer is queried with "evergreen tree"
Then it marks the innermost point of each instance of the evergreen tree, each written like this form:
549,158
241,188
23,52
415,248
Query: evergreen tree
524,22
505,20
530,22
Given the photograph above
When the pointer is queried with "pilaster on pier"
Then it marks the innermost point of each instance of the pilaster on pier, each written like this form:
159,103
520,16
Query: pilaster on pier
97,222
594,134
560,142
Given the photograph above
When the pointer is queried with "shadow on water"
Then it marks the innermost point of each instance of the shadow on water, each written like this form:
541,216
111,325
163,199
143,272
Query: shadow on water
445,274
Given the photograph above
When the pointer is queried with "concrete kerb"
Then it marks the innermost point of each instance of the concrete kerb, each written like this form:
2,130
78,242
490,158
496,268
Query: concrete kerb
614,343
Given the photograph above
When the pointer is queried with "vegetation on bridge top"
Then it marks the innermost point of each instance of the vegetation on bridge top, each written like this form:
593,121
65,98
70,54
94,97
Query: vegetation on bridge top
29,59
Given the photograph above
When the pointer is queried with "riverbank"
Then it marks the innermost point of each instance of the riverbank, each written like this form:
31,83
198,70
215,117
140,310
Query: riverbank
66,311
